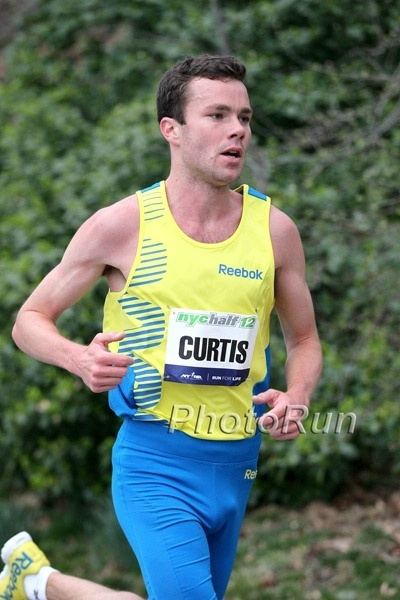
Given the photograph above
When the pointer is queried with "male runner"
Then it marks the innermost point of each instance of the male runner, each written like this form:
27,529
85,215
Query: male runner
194,270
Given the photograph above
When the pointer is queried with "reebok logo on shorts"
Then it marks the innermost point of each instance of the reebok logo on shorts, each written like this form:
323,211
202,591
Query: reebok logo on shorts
250,474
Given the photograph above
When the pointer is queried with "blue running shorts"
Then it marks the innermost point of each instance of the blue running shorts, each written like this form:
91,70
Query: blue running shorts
180,501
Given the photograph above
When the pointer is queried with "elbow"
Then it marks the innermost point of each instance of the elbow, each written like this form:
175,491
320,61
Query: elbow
319,357
315,343
15,333
306,341
18,331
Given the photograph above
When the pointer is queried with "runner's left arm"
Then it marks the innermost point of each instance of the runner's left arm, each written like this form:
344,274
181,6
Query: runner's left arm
296,315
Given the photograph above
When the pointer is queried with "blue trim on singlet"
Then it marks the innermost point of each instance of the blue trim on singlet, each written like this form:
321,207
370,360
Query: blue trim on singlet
262,386
257,194
151,187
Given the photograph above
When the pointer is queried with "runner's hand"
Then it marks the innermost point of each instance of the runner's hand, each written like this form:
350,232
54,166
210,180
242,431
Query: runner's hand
283,421
100,369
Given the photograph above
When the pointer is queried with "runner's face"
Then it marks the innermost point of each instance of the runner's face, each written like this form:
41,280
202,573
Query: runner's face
216,132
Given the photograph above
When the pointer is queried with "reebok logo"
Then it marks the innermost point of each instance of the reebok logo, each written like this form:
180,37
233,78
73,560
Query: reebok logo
239,272
21,563
250,474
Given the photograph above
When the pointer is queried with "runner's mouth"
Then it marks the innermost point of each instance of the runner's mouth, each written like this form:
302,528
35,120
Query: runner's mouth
233,152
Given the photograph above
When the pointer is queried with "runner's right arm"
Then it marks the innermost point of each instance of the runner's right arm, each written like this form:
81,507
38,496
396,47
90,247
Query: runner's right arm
35,331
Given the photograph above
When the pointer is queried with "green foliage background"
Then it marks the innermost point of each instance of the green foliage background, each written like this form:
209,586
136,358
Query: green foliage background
78,131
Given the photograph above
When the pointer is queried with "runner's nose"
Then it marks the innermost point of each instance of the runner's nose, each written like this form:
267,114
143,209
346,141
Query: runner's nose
238,128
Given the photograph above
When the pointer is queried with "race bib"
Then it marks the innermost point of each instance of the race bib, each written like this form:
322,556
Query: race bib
209,348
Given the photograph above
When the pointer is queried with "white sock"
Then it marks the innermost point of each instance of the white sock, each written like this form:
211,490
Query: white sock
35,585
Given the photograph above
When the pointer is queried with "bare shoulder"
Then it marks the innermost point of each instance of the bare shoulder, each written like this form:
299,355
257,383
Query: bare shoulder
105,236
118,219
285,237
281,225
114,222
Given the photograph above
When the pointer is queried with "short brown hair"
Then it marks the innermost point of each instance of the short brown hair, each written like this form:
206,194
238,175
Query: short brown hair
171,94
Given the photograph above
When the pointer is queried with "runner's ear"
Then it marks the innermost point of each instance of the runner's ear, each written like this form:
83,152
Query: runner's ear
170,130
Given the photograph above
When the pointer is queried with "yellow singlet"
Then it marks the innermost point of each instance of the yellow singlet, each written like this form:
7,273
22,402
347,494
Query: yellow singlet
196,317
